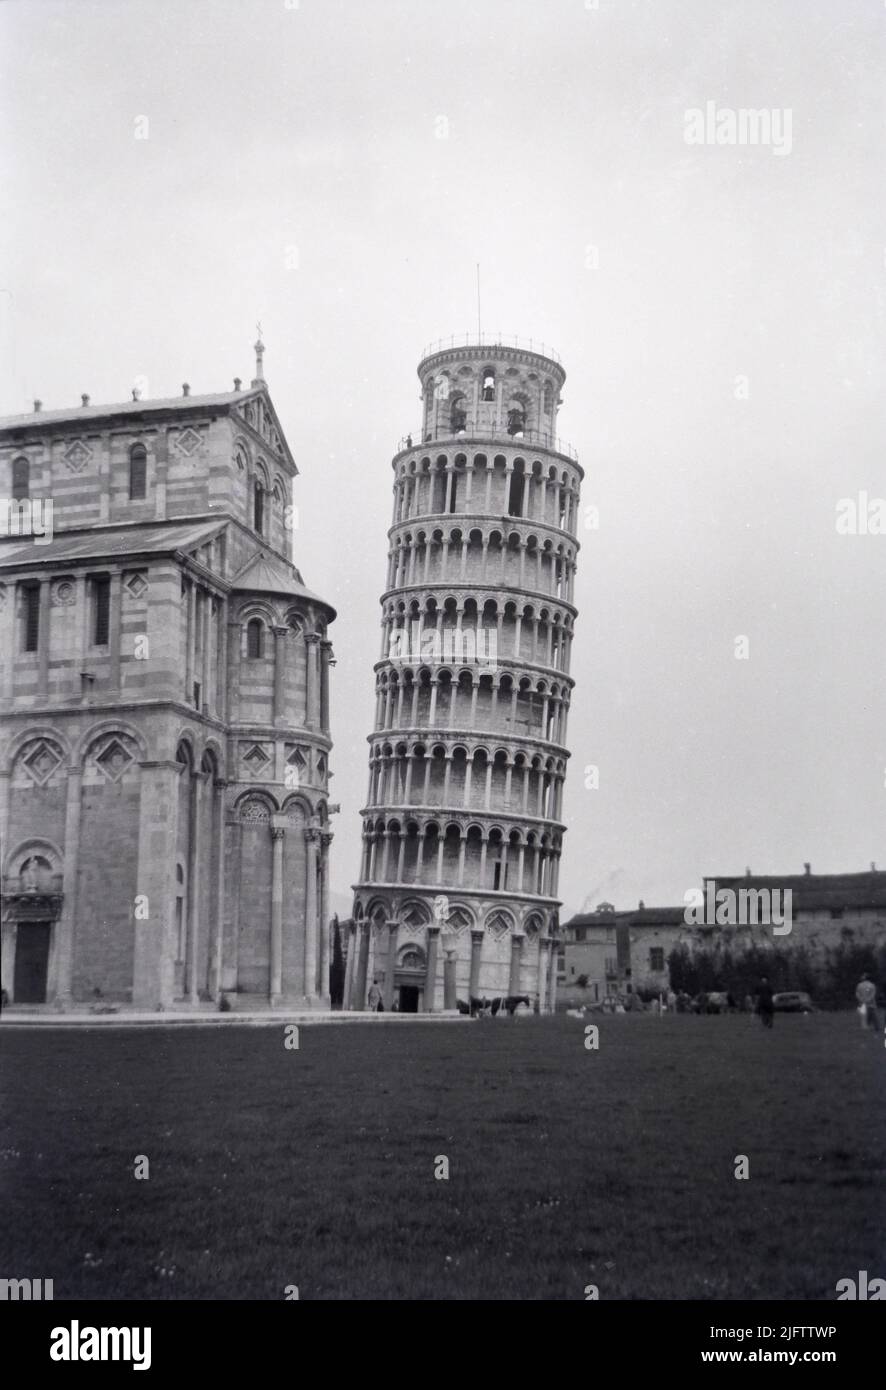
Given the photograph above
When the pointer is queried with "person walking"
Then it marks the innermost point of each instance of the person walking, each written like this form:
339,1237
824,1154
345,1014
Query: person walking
866,994
765,1007
373,999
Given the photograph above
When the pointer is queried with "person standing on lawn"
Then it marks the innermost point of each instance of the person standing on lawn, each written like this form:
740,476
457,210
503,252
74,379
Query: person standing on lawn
866,994
765,1007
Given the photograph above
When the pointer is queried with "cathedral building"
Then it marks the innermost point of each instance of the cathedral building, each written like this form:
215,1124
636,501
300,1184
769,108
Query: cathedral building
463,823
164,709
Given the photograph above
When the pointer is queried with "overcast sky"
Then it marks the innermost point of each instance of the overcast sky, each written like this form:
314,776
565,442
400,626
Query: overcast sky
294,172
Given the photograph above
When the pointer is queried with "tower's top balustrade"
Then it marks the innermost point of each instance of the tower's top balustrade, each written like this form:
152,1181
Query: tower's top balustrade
489,390
471,344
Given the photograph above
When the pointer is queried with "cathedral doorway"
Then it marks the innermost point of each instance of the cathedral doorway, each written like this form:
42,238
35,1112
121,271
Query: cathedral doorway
31,962
409,999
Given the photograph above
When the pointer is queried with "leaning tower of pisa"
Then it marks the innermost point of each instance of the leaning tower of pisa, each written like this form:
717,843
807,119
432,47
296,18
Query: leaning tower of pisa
462,828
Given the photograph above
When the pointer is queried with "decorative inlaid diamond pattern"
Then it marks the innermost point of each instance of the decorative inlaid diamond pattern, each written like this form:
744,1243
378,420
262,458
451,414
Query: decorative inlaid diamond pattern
188,441
458,920
77,455
114,760
136,585
42,762
498,925
256,759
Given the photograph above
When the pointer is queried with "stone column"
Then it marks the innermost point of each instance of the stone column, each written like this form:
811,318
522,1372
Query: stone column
311,838
203,619
543,944
450,989
230,970
153,970
326,660
476,955
5,782
190,640
232,685
9,600
359,1001
349,967
431,969
276,981
552,977
280,636
195,886
325,842
312,693
219,787
67,923
516,958
115,624
391,962
221,668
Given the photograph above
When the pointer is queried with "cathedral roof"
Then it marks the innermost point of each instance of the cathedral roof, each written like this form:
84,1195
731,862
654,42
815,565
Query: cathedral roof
94,541
140,407
266,574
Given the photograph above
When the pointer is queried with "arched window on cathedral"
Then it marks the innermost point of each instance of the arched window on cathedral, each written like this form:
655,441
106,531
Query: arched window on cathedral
255,639
258,507
21,480
138,472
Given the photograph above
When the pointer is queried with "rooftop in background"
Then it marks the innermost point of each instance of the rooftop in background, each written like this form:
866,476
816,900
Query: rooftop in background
816,892
636,917
811,893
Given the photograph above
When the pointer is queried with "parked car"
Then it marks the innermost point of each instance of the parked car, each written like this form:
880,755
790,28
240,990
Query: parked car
793,1001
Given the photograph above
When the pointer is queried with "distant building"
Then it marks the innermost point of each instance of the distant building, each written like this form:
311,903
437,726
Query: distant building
616,950
613,949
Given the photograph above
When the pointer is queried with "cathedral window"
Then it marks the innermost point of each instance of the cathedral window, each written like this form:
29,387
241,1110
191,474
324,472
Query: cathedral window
101,610
258,508
31,616
138,472
254,639
21,480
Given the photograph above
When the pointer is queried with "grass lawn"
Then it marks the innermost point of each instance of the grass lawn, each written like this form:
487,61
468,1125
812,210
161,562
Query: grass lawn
567,1167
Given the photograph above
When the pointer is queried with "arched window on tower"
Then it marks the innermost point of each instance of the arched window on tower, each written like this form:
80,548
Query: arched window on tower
488,383
138,472
21,480
254,639
458,416
516,419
